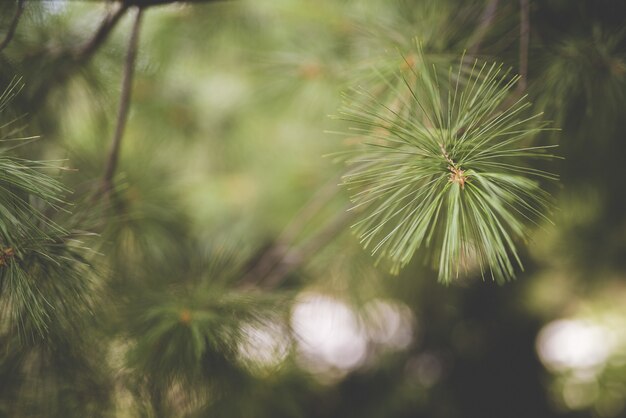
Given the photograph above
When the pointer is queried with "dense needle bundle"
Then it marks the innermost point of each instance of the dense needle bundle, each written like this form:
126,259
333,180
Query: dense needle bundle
44,276
441,168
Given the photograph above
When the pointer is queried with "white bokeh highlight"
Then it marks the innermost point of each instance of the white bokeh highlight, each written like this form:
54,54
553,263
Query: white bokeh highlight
264,346
329,333
334,338
389,324
570,344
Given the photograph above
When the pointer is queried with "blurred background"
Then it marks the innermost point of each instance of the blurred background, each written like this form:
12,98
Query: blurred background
226,282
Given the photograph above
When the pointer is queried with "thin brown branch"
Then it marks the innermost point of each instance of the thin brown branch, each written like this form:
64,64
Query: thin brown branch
524,42
486,19
84,53
13,26
71,60
446,156
148,3
122,114
271,256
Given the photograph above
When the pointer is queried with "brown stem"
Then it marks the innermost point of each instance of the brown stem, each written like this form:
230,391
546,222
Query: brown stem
445,155
73,59
147,3
297,257
457,174
122,114
276,254
523,44
84,53
13,25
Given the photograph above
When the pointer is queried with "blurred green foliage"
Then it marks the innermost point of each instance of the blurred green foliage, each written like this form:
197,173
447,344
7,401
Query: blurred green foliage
226,238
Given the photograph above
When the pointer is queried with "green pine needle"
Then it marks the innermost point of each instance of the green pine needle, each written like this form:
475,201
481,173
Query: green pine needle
45,279
191,333
443,169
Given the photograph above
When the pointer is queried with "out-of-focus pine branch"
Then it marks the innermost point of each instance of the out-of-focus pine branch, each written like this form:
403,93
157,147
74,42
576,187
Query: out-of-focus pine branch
44,271
149,3
122,115
13,25
72,59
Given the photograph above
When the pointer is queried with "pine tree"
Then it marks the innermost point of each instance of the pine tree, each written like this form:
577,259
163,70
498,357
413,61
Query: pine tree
161,239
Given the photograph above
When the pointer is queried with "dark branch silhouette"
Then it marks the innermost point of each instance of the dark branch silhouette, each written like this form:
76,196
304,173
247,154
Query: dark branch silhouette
295,258
73,59
76,57
85,52
147,3
122,115
13,25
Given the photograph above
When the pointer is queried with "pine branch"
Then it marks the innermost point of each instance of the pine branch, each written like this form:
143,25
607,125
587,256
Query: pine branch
122,115
149,3
444,171
44,275
276,253
13,26
192,338
73,59
86,51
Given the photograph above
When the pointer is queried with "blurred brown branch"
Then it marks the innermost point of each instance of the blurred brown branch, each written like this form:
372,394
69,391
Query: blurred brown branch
294,258
122,115
75,58
147,3
85,52
282,257
13,25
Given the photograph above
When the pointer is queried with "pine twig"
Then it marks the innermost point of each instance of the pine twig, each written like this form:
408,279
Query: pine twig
85,52
122,115
281,251
79,56
149,3
297,257
13,26
461,197
523,44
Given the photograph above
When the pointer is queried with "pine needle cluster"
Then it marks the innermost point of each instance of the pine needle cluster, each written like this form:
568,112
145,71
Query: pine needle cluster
43,270
443,169
188,335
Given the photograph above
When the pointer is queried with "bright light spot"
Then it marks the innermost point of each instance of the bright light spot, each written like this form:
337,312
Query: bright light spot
265,346
574,344
329,332
54,7
389,324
